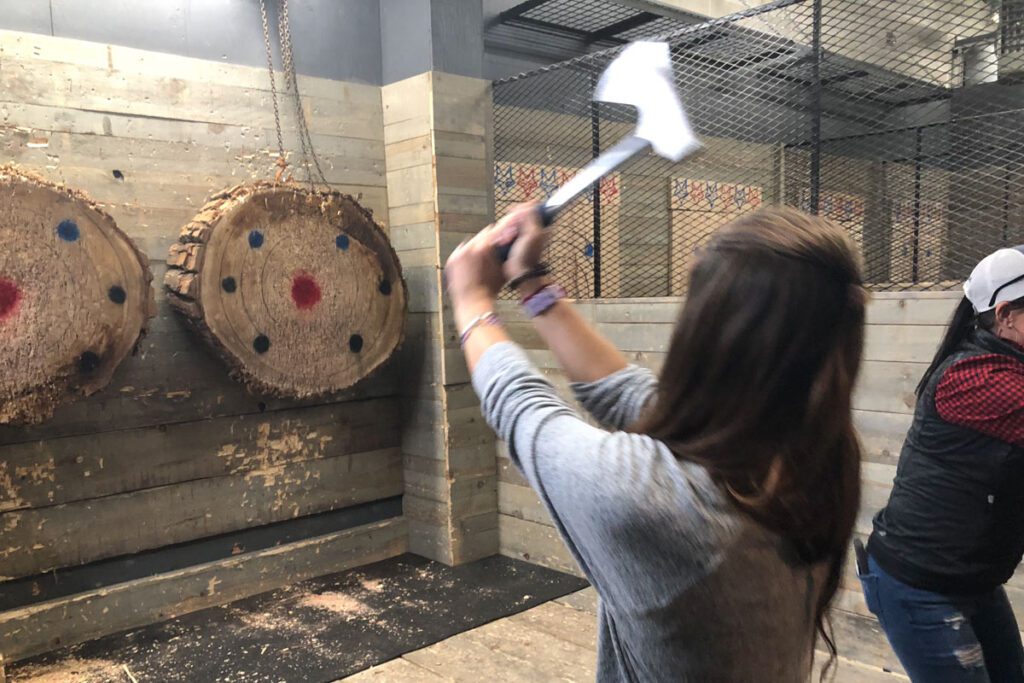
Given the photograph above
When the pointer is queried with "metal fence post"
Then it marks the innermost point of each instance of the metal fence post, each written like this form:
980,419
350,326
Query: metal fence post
816,107
595,151
915,262
1006,208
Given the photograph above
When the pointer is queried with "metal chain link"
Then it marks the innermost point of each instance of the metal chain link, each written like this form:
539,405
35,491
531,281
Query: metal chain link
784,22
849,108
292,83
273,81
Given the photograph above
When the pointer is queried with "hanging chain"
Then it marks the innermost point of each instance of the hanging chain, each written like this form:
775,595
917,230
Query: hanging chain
291,82
281,160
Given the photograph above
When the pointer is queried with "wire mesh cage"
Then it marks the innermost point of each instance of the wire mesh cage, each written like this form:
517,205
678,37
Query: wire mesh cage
898,121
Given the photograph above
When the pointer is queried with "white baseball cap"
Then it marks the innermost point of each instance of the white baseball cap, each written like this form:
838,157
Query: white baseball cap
998,278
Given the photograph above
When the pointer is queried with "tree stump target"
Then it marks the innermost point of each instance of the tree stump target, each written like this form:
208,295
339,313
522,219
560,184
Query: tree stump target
300,292
75,296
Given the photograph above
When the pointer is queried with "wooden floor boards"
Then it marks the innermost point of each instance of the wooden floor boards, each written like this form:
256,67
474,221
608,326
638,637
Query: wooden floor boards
556,641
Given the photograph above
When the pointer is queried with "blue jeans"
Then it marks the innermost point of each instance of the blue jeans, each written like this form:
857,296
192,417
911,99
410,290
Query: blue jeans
940,638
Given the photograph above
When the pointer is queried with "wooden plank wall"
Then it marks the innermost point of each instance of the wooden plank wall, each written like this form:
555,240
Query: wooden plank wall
903,331
437,128
174,450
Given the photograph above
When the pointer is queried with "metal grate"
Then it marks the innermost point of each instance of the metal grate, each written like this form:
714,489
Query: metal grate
900,121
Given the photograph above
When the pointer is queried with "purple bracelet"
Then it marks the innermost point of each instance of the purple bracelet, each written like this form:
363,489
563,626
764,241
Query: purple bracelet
543,299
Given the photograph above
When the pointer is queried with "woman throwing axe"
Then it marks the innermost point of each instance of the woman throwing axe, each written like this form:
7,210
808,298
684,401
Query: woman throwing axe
714,513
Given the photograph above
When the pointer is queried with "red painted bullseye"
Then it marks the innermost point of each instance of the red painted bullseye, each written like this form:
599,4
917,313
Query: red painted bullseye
305,292
10,295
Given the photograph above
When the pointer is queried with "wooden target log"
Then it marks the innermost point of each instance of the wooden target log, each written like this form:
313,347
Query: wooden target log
300,292
75,296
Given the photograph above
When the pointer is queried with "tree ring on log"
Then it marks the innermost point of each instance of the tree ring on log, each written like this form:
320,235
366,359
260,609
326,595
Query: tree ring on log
299,292
75,296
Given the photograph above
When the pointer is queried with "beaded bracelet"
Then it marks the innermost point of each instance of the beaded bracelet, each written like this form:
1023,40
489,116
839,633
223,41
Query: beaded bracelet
486,318
539,270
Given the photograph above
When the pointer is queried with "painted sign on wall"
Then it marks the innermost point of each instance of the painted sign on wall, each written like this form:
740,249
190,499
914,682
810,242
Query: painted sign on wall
699,208
572,251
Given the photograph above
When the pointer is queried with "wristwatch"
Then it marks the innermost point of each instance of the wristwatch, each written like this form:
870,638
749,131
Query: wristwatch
543,299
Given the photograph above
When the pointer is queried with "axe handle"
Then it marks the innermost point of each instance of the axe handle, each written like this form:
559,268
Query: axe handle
545,213
589,176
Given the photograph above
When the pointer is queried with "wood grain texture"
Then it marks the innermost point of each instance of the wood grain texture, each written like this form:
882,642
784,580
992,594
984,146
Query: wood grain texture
903,332
39,540
172,380
537,543
299,291
75,296
172,450
76,111
58,471
67,621
439,192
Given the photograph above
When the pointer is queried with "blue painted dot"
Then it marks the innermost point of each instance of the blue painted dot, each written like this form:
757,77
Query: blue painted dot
117,294
68,231
261,344
229,285
255,239
588,250
341,241
355,343
88,362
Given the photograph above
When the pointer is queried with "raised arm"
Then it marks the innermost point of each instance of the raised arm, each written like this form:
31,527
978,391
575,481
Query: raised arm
613,391
618,400
609,493
583,352
608,388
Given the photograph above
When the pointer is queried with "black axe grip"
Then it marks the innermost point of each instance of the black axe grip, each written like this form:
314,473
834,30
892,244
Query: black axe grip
545,213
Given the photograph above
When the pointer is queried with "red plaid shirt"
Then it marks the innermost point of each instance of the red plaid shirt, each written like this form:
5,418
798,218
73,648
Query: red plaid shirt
986,394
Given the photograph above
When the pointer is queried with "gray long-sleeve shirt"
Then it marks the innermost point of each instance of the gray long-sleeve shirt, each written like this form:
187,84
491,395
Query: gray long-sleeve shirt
689,588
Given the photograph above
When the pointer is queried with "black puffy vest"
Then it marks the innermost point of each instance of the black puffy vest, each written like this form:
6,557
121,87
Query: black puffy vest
954,523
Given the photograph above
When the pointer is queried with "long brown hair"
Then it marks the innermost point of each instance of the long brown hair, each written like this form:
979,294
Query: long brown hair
757,383
960,327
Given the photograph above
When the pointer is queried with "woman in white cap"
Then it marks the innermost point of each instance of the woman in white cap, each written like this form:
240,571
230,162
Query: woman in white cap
952,532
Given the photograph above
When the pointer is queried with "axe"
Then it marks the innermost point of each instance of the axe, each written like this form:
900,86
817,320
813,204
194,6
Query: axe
640,76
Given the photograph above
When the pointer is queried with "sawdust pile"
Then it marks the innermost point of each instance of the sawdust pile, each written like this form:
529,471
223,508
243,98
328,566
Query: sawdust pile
72,670
338,603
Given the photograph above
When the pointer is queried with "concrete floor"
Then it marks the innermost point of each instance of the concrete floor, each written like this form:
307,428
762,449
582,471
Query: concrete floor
554,642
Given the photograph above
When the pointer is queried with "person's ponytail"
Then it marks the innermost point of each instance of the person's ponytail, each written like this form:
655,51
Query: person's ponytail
963,322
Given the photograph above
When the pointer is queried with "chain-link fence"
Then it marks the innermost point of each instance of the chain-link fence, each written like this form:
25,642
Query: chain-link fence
899,120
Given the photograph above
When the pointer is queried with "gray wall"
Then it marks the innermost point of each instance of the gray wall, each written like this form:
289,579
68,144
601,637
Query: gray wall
439,35
367,41
405,38
337,39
